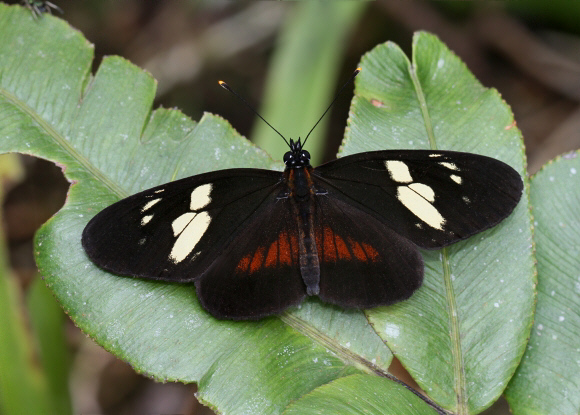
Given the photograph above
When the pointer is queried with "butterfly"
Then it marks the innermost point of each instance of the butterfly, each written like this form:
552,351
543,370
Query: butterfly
255,242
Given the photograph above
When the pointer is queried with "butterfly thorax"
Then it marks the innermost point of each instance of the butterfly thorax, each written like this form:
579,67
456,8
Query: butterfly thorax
298,173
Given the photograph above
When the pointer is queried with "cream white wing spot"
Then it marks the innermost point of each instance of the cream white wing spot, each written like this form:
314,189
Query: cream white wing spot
450,166
466,199
200,197
456,179
424,190
189,237
159,191
179,224
145,220
150,204
420,207
398,171
435,155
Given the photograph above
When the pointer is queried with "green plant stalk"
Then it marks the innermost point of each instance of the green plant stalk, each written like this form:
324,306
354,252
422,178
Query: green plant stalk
47,320
303,74
23,386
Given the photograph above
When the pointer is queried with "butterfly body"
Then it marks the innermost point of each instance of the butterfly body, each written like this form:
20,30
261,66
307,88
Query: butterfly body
256,242
301,192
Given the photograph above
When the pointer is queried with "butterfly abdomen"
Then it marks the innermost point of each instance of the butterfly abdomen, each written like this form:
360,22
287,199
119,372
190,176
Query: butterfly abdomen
301,193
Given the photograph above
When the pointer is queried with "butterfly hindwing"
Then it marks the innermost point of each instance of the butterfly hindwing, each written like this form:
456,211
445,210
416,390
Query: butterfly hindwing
432,198
175,231
258,274
363,263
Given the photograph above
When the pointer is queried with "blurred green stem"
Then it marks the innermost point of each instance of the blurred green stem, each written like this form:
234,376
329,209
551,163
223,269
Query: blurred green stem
26,386
303,74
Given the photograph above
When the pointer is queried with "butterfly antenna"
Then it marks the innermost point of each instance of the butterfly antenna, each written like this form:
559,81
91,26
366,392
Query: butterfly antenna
227,87
356,72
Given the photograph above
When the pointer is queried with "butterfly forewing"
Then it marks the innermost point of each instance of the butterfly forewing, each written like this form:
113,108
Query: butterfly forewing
175,231
432,198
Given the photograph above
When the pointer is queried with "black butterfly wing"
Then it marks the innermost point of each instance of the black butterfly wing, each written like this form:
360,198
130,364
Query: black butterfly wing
235,233
363,263
258,274
432,198
175,231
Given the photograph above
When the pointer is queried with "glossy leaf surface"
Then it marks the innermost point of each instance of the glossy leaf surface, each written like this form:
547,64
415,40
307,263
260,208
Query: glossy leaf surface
548,379
462,335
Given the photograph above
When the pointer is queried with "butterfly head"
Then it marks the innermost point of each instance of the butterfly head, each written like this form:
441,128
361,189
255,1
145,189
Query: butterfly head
296,157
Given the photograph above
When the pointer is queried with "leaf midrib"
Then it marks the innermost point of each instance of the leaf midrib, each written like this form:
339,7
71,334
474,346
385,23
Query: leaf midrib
460,387
344,353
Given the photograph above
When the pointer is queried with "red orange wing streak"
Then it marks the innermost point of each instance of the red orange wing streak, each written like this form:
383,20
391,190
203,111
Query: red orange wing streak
285,249
329,249
257,260
341,247
282,251
288,249
357,250
334,247
371,252
363,251
243,264
272,255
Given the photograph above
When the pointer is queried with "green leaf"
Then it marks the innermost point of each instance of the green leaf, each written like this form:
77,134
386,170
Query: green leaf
102,132
462,335
360,394
548,380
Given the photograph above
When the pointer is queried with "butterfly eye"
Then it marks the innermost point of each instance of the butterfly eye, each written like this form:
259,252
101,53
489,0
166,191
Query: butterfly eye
305,155
288,156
